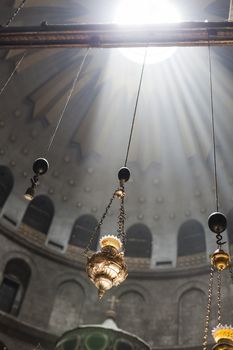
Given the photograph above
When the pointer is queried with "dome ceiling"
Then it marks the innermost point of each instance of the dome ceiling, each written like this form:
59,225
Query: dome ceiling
171,154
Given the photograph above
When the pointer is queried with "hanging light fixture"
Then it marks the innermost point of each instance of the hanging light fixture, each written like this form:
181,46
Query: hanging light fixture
223,336
107,268
220,260
41,165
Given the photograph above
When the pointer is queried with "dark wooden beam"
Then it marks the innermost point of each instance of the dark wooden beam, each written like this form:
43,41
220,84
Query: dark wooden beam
113,36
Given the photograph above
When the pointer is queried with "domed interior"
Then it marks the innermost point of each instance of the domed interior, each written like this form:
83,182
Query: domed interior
44,290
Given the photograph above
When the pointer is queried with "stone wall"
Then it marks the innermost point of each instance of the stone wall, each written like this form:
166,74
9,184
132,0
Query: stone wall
166,308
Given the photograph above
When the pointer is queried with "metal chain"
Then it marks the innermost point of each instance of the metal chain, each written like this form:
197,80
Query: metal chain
12,74
17,10
97,228
209,303
121,220
219,242
219,295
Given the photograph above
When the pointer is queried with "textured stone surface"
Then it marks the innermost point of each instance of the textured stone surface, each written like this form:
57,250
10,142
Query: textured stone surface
165,308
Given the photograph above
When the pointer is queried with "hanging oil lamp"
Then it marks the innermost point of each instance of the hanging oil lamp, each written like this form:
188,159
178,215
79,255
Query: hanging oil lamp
40,167
107,268
220,261
223,336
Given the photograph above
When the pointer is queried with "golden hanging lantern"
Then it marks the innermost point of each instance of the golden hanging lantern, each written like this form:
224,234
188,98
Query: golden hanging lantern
107,268
220,259
223,336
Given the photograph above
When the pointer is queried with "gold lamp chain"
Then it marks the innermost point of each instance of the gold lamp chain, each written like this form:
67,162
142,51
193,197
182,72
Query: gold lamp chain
97,228
219,280
209,303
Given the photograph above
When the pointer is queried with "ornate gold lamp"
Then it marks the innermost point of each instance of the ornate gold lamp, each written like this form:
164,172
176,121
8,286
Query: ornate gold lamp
223,336
107,268
220,261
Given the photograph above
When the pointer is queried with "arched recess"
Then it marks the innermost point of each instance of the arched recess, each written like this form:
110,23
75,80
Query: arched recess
39,214
121,344
6,184
67,307
191,245
130,312
16,277
3,346
82,231
192,307
139,241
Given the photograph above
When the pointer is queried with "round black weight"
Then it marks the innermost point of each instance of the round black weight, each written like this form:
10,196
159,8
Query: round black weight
217,222
40,166
124,174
